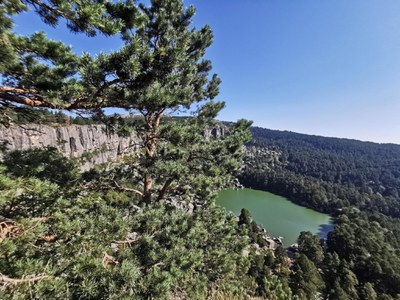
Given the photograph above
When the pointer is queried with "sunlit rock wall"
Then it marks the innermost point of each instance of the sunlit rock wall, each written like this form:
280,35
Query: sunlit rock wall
92,144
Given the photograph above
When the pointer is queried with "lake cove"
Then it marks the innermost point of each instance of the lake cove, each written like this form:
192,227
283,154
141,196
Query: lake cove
276,214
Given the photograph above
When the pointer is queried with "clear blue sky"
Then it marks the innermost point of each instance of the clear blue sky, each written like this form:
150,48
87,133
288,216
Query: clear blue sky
330,68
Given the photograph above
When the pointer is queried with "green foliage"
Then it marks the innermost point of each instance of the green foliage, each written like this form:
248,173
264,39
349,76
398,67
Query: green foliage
368,292
325,174
161,70
306,282
66,235
368,256
244,217
175,247
90,247
311,246
352,180
275,289
46,164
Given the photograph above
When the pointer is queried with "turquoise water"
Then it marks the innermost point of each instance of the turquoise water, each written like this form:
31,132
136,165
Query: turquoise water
276,214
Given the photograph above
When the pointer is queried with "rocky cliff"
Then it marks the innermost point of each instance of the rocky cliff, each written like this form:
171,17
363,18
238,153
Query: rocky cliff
92,144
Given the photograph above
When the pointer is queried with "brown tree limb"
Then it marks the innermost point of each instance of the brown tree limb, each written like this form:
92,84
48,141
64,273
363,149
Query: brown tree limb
147,184
27,279
8,228
124,242
158,118
122,188
30,97
165,189
25,97
108,260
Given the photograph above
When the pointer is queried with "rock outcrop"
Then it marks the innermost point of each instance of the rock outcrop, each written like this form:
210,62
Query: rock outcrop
92,144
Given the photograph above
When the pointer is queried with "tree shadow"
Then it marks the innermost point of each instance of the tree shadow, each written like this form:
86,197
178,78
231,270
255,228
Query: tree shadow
45,164
324,229
3,146
37,177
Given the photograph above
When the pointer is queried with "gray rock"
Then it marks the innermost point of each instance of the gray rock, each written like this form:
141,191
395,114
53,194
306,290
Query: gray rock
92,144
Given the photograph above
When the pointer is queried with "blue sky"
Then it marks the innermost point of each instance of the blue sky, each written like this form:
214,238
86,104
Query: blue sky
329,68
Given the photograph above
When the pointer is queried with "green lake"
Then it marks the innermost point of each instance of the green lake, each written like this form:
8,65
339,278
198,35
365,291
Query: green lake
276,214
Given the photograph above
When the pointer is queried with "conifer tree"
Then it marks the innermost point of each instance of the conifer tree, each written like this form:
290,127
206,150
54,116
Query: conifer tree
310,245
306,282
160,70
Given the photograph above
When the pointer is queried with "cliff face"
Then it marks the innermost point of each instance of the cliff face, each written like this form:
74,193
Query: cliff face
91,143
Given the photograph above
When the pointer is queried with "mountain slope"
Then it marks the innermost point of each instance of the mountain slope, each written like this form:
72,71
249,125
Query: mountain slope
325,173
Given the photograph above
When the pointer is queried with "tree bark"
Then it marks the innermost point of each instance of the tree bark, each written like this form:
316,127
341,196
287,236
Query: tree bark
164,189
152,120
148,184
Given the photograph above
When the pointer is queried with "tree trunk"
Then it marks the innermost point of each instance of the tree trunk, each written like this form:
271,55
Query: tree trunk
165,189
148,183
151,142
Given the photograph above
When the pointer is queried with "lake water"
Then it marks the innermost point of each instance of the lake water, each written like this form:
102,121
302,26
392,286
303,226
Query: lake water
276,214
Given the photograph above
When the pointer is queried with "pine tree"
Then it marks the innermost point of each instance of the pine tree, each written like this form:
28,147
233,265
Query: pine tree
310,245
161,70
367,292
69,240
306,282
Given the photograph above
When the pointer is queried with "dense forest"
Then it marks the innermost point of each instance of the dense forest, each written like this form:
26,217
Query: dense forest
326,173
358,183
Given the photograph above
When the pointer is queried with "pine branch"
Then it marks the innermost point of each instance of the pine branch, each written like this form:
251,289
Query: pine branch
122,188
31,98
23,96
49,8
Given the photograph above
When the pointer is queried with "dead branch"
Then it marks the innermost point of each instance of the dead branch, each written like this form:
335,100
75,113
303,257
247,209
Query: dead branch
108,260
124,242
48,238
8,229
26,279
122,188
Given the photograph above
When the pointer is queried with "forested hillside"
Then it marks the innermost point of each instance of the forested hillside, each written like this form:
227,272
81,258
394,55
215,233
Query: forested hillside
327,173
359,184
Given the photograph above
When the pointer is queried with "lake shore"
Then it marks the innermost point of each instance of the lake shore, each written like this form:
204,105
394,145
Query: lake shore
279,216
